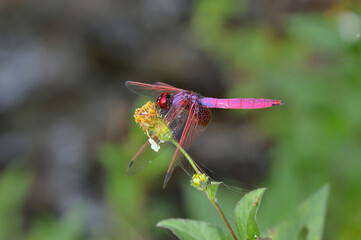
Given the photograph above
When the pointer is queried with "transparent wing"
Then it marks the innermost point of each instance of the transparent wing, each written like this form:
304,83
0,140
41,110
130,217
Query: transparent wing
163,84
193,128
152,90
146,155
141,159
176,116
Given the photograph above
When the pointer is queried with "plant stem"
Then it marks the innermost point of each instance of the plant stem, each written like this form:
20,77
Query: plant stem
185,154
224,218
211,198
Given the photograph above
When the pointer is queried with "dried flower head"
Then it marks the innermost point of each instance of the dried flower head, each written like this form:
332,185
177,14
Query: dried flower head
146,116
153,125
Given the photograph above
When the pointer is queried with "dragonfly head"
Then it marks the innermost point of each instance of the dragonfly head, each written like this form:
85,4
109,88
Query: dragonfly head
164,100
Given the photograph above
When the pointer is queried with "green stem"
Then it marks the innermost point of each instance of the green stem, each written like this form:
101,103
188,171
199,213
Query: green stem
186,155
211,198
215,204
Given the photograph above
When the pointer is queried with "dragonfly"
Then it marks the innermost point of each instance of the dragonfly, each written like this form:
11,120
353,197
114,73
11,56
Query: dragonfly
187,114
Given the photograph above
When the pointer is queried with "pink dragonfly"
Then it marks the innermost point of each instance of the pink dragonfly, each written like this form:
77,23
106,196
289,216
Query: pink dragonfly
188,115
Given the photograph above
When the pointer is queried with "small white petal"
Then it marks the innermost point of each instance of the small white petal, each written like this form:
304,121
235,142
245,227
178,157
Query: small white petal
154,145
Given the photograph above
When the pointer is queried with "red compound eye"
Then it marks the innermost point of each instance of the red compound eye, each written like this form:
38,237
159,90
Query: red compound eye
163,100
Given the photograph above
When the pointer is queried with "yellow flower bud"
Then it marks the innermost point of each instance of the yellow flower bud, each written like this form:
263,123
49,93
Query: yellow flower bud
198,179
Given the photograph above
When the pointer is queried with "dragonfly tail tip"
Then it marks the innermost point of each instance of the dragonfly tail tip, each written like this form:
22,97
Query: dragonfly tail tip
278,103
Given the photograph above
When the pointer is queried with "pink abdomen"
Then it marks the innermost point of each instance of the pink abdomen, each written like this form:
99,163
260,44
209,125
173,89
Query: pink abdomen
239,103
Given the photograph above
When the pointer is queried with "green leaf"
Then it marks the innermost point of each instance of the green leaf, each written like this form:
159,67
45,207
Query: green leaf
309,216
245,214
211,191
196,230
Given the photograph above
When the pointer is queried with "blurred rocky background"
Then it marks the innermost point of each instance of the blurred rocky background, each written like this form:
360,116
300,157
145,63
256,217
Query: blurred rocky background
66,118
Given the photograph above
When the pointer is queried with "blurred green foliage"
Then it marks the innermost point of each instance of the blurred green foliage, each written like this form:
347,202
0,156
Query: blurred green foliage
306,222
316,134
14,185
134,209
70,226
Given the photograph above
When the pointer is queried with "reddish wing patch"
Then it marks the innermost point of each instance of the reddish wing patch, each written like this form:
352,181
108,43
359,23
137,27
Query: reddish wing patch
192,129
204,116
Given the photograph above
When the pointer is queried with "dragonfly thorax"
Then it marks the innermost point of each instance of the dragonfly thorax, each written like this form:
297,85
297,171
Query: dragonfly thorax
187,99
190,101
